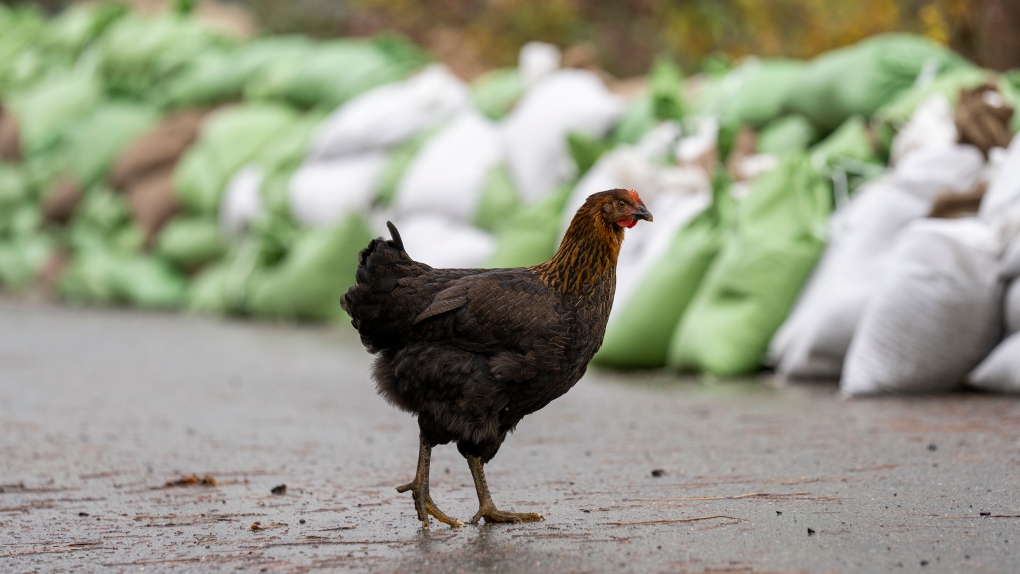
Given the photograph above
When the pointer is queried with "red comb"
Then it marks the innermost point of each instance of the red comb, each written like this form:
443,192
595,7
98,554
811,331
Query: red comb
636,197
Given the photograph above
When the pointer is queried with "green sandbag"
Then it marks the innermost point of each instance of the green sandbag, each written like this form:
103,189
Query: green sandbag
332,73
101,276
495,93
220,76
638,335
190,242
45,110
229,141
400,159
24,54
139,55
787,134
585,150
899,111
778,237
861,78
79,24
14,188
662,102
94,143
317,270
499,199
21,258
529,236
850,141
754,93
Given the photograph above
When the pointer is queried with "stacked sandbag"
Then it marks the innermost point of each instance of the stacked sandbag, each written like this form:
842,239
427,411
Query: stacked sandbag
755,93
814,339
374,140
661,101
860,79
934,315
534,133
778,235
1000,371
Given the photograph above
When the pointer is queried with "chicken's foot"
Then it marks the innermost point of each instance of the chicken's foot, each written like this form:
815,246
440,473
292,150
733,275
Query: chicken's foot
486,508
419,488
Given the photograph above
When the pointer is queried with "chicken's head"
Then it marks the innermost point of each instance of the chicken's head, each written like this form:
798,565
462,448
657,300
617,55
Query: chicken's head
623,207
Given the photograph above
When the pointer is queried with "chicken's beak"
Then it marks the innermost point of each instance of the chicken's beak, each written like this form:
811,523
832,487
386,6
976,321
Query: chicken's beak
642,213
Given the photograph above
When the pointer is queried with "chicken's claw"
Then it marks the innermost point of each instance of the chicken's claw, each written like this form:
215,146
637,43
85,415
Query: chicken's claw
492,514
428,507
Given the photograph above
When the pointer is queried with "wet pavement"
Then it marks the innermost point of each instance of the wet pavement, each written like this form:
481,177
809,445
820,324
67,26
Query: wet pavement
134,441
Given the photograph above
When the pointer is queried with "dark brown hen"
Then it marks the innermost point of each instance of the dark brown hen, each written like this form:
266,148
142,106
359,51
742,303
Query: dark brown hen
471,352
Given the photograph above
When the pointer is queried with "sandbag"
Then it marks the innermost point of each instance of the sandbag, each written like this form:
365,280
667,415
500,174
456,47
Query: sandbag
442,242
45,110
309,281
1000,371
662,101
786,134
152,202
983,118
935,314
100,276
157,148
948,84
859,79
535,131
22,259
139,54
219,76
93,144
643,321
10,137
326,193
61,200
494,93
230,139
390,114
190,242
333,72
813,341
779,234
755,92
1004,187
449,172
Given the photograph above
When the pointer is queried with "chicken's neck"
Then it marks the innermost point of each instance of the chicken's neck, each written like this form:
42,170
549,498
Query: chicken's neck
587,254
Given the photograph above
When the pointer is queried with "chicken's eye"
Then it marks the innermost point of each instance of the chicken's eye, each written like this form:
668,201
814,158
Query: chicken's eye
622,204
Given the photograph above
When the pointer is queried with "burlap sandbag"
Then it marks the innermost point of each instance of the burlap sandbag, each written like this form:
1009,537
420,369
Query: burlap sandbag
152,203
156,149
10,139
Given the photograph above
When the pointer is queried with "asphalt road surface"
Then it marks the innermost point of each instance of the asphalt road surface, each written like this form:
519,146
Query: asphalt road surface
135,441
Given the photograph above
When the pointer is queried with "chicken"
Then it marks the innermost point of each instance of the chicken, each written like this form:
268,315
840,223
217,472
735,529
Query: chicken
471,352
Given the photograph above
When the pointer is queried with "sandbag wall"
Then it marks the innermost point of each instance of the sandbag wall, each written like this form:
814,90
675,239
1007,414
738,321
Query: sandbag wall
157,162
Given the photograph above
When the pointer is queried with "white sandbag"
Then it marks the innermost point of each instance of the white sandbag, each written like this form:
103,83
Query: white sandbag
1000,372
242,201
1004,187
935,315
390,114
813,341
324,193
535,131
537,60
932,125
439,241
447,175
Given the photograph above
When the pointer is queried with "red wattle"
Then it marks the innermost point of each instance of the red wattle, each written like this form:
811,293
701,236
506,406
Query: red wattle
627,222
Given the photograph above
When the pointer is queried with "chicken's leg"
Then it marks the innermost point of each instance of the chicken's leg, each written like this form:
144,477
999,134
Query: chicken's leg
419,488
488,510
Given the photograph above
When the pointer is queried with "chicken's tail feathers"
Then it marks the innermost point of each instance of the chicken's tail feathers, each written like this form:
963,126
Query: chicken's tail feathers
397,241
381,266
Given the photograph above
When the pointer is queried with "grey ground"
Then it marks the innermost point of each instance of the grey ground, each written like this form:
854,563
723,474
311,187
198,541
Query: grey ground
100,409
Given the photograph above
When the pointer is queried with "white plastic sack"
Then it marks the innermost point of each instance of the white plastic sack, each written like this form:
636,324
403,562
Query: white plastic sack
537,60
1000,372
448,174
390,114
935,315
813,341
439,241
932,125
1004,187
242,201
535,131
324,193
